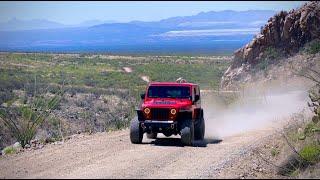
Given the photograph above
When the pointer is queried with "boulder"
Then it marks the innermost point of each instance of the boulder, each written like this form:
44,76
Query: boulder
16,145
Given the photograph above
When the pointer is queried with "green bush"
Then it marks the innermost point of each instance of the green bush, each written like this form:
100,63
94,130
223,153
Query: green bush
274,152
9,150
295,173
270,55
311,153
24,121
311,128
263,64
313,47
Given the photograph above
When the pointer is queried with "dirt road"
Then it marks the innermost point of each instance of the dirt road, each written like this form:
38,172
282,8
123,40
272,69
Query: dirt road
111,155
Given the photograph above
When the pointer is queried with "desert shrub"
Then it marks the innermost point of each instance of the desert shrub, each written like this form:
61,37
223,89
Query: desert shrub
72,92
53,126
270,56
311,128
23,121
274,152
9,150
311,153
120,124
6,96
313,47
271,53
54,89
263,64
89,81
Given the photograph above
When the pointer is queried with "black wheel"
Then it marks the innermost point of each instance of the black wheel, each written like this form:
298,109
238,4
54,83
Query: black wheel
136,132
167,134
187,132
152,135
199,129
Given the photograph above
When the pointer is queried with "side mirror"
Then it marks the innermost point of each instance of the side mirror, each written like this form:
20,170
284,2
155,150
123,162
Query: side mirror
142,95
196,98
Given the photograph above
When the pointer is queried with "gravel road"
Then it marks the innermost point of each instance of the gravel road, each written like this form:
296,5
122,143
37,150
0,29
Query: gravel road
111,155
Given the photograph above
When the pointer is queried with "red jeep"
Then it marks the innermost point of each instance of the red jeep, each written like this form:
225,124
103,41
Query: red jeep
169,108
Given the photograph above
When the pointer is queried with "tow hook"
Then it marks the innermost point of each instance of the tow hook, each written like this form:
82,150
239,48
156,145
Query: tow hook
143,126
172,126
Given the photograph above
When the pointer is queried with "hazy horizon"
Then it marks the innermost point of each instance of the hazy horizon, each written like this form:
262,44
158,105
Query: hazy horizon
155,27
71,13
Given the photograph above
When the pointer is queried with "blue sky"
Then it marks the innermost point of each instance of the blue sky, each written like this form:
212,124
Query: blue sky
73,12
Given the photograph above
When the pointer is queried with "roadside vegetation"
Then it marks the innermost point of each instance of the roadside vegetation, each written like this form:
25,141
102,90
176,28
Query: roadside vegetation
301,145
313,47
270,56
24,118
293,152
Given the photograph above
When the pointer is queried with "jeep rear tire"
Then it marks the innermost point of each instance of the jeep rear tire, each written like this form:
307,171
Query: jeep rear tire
199,129
152,135
187,132
136,132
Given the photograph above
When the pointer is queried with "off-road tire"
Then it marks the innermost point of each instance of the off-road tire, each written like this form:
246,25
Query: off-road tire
152,135
136,132
199,129
187,132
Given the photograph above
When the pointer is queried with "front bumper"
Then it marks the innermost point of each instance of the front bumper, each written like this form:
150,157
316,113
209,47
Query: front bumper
158,126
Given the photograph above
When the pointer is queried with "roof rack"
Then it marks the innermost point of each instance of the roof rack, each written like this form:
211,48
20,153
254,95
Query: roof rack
181,80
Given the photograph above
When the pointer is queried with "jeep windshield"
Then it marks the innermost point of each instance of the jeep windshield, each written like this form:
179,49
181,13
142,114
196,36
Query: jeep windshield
169,92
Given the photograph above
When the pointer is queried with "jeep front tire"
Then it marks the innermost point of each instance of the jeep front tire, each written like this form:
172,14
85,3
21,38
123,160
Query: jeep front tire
187,132
136,132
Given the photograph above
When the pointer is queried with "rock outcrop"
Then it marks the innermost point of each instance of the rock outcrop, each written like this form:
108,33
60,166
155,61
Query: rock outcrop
286,32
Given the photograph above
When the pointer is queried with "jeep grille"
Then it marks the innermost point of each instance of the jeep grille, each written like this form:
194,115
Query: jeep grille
160,113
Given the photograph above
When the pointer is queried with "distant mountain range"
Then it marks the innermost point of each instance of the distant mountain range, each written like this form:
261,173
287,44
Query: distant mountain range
18,24
207,32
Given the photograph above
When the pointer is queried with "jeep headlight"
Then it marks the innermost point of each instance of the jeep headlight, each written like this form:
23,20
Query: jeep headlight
146,110
173,111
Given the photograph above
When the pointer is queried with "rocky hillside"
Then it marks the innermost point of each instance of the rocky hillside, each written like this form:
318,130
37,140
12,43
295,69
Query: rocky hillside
284,35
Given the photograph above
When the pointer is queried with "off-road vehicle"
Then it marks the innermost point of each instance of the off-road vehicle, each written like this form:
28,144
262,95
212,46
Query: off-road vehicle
169,108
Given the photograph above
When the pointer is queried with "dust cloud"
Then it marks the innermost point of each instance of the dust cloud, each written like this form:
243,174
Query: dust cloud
255,108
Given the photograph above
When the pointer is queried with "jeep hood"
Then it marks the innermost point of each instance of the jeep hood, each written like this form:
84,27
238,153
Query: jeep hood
166,103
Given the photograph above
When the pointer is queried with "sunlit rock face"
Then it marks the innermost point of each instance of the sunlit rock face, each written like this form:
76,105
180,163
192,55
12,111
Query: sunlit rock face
286,32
